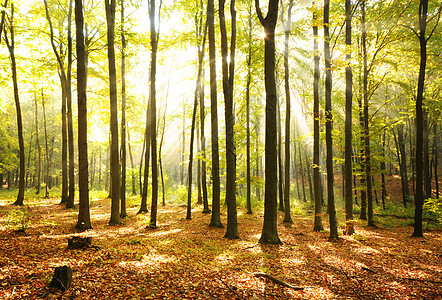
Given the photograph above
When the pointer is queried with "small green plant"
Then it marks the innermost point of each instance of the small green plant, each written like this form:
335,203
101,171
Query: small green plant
359,237
434,206
19,219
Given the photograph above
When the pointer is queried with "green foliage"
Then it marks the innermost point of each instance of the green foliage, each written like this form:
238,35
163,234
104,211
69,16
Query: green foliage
19,219
434,207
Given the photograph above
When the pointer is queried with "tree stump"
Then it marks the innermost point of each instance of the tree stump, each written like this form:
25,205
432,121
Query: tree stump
62,278
77,242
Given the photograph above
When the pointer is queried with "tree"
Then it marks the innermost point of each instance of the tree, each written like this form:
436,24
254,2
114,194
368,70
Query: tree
329,124
154,36
316,167
84,221
123,212
215,220
286,25
114,155
11,47
228,68
348,121
269,233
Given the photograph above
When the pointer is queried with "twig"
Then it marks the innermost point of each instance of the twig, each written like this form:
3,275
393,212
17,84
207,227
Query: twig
276,280
230,288
367,269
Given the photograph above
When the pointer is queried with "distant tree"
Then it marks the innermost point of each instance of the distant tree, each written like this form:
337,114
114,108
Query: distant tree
84,220
114,155
270,227
123,154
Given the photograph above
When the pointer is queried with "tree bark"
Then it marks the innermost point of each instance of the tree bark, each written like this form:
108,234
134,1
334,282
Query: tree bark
348,169
84,221
329,125
269,233
228,69
316,165
216,203
114,156
248,82
38,147
123,213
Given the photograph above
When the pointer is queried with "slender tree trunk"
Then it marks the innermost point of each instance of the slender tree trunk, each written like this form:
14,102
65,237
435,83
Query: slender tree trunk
302,172
279,141
184,144
228,69
154,36
436,154
426,155
419,196
115,161
270,227
38,147
383,171
216,203
159,155
348,122
249,79
286,25
206,209
123,213
71,194
46,145
11,48
84,221
367,154
134,190
316,165
329,125
400,146
198,167
143,208
362,185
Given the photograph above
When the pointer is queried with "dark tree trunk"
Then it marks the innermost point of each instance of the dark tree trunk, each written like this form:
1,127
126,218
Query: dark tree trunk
248,82
154,36
216,203
11,47
362,183
426,156
316,165
286,25
402,159
329,125
71,195
280,172
436,154
84,221
348,169
206,209
301,169
366,134
228,71
46,146
123,213
114,155
419,196
270,227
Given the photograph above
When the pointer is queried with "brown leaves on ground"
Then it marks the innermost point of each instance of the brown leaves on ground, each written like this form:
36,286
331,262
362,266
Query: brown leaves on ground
186,259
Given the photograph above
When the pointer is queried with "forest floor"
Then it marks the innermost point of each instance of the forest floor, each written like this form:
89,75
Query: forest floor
186,259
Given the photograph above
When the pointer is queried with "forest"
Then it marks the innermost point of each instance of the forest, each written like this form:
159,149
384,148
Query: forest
241,149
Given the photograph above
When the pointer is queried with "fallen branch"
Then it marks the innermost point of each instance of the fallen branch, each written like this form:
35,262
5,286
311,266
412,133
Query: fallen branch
277,281
230,288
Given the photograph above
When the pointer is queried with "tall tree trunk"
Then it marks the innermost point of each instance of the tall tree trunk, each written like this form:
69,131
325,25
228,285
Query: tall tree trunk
71,195
134,190
11,48
419,196
426,156
84,221
316,165
198,167
302,172
248,82
367,155
270,227
402,159
286,25
154,36
228,71
348,169
123,213
216,203
115,158
159,154
329,125
362,185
